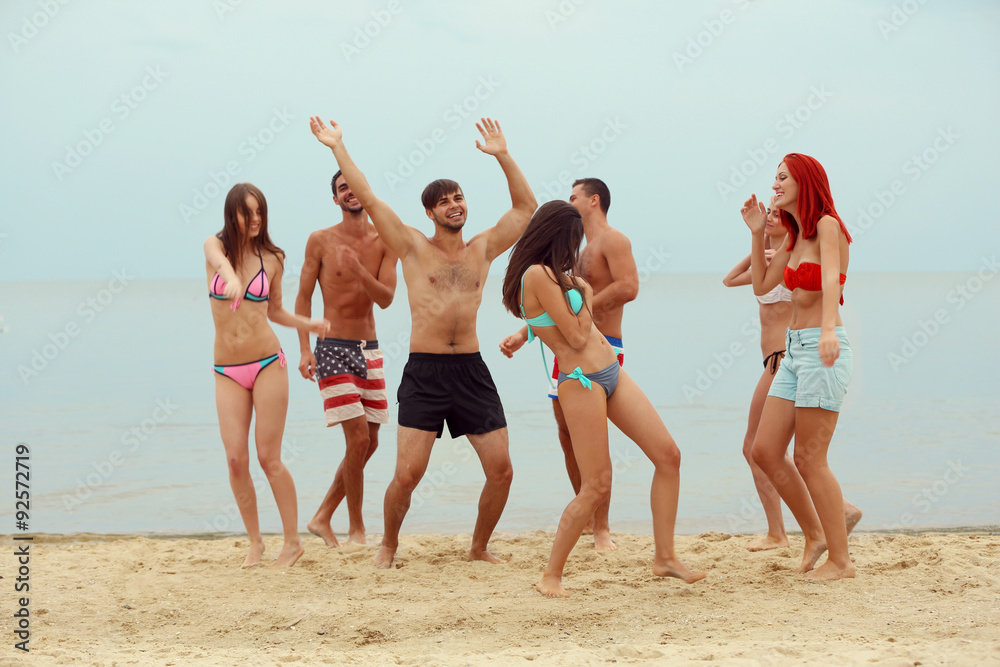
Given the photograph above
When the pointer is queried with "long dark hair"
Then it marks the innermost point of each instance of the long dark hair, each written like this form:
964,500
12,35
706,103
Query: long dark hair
232,239
552,239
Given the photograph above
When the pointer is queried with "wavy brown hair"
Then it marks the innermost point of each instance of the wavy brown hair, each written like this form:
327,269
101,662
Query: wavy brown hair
552,239
232,239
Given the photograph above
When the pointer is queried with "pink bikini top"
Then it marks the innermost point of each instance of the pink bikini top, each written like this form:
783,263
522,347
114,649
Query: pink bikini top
257,290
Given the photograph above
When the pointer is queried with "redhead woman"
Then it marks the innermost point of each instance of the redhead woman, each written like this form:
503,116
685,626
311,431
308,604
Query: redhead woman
808,389
243,268
541,287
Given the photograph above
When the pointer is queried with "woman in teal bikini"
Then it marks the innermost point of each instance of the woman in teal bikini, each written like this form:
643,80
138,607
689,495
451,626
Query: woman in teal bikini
541,286
250,373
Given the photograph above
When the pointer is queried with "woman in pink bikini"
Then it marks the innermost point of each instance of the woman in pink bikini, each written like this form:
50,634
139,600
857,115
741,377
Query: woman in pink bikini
250,373
809,387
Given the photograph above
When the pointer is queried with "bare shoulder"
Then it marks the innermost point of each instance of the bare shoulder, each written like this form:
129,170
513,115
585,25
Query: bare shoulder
614,240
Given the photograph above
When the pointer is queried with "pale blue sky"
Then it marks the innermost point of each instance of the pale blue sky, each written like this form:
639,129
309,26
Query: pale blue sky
670,97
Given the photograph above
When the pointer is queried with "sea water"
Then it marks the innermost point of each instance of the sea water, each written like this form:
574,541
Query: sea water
110,386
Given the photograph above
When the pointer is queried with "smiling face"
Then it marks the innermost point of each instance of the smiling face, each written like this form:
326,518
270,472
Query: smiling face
450,211
772,226
252,229
786,190
344,197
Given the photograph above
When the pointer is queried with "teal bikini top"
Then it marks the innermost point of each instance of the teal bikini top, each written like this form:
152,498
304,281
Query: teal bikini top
575,301
573,298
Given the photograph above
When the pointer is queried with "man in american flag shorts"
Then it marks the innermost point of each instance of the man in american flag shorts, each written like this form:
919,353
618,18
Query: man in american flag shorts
355,270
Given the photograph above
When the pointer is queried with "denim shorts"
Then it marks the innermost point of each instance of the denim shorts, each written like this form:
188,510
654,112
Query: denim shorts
803,378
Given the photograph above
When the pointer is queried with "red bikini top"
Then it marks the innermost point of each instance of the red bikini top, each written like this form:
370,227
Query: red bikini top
807,276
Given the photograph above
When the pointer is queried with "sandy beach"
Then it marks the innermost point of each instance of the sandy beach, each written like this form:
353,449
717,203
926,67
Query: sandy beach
917,600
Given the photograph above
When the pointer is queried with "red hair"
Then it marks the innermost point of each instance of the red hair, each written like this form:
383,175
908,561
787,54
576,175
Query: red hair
814,199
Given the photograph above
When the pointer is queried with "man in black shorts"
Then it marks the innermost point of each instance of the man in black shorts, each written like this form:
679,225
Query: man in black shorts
445,379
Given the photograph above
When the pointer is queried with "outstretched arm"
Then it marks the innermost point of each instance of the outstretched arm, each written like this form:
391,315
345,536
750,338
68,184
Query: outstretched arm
512,223
397,236
277,314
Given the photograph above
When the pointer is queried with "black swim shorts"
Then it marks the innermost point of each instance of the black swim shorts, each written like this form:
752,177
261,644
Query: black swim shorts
456,388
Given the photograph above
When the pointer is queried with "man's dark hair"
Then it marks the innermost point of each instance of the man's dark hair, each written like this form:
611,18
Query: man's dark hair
437,189
595,186
333,182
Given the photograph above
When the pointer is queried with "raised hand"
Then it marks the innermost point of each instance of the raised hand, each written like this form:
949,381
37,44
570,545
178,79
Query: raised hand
328,136
494,141
754,214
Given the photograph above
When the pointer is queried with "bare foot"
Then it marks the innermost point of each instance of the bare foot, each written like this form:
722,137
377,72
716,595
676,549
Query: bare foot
323,530
357,536
289,554
255,554
384,557
852,514
486,556
829,571
552,587
603,541
811,554
674,568
768,542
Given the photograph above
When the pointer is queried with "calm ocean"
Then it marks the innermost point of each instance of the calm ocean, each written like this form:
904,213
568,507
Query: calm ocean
110,385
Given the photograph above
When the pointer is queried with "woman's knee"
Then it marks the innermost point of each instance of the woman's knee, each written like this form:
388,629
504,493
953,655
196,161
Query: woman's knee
766,459
595,490
668,457
239,465
271,464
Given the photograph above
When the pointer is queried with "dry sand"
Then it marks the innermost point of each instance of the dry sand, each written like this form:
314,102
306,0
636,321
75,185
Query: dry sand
926,599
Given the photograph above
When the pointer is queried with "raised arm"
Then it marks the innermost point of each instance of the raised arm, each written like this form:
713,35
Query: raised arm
766,275
739,274
380,288
522,200
624,286
397,236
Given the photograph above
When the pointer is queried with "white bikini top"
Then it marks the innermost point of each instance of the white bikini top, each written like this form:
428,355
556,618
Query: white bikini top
779,293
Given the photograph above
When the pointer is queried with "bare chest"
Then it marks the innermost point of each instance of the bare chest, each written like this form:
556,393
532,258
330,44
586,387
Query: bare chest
594,267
